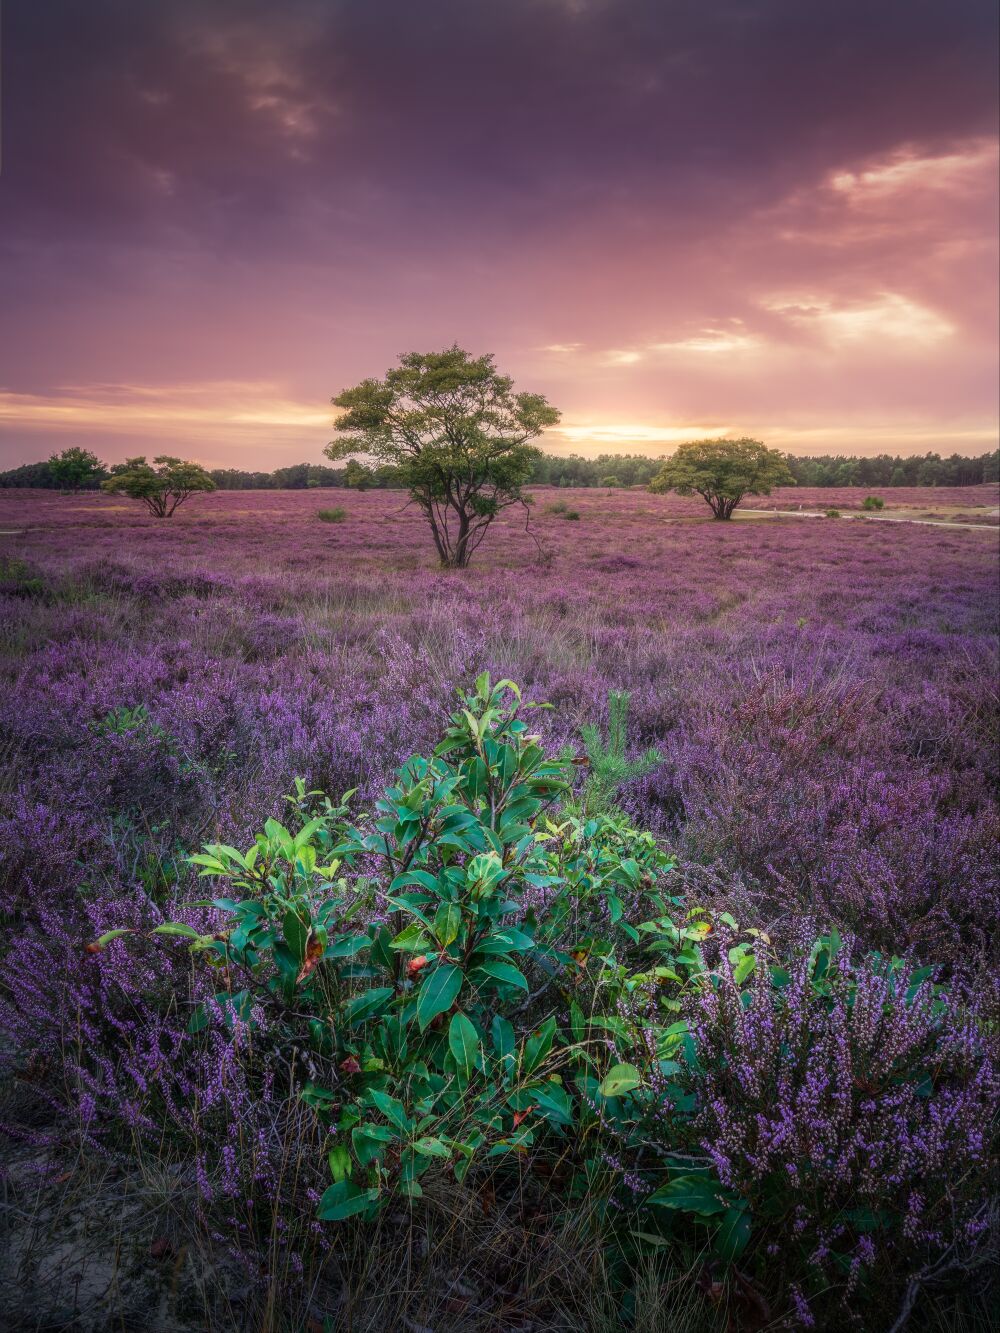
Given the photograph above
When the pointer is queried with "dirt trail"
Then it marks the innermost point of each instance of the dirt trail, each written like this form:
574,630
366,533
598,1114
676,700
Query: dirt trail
874,518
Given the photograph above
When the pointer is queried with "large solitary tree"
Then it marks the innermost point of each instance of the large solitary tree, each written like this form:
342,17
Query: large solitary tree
451,429
75,468
162,486
722,472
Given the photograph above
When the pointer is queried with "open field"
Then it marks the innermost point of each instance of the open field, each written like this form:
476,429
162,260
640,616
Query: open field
824,700
969,504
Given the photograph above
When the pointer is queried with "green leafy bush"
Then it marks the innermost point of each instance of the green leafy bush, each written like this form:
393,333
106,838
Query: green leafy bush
337,515
610,767
123,721
833,513
428,993
573,515
476,973
873,502
18,579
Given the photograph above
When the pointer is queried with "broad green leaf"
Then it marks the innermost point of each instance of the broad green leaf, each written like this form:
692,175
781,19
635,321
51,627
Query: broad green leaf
505,940
733,1235
447,923
577,1022
537,1047
177,928
344,1199
347,946
340,1162
110,935
296,935
553,1103
743,968
431,1148
619,1080
505,973
503,1037
393,1110
438,993
692,1194
412,939
366,1004
463,1042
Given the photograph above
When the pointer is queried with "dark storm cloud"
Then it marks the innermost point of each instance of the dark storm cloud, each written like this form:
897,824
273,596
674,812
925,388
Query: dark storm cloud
776,216
225,118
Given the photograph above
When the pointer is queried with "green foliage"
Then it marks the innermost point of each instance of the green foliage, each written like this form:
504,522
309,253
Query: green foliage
122,721
610,767
135,724
559,507
17,579
572,515
722,472
75,468
833,513
475,974
428,998
162,486
450,429
873,502
359,477
337,515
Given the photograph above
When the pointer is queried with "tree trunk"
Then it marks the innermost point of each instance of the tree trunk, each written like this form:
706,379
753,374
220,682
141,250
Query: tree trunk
461,558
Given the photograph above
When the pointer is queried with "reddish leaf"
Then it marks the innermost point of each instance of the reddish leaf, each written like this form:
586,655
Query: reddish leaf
314,952
350,1065
523,1115
416,964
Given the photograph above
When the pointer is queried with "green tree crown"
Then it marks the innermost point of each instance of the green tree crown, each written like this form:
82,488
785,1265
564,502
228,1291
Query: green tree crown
161,486
722,472
449,428
75,468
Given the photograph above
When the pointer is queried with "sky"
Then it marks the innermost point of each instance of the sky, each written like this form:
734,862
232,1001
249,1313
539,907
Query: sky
675,218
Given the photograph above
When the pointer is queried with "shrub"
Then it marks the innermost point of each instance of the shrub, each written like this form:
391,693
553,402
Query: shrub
572,514
18,579
337,515
610,767
559,507
873,502
427,1041
468,978
844,1107
833,513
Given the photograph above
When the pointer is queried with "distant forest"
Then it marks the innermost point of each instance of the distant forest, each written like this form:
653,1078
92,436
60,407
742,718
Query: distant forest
884,470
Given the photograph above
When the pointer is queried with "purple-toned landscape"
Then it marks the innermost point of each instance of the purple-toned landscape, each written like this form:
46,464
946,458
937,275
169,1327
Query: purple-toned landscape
499,666
823,698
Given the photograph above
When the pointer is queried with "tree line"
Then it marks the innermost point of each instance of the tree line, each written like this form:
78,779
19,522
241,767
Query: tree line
450,430
607,470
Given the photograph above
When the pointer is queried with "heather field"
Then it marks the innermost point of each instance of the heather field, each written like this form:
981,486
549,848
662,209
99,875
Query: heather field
807,1136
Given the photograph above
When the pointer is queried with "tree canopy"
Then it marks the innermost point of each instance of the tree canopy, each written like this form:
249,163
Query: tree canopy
161,486
722,472
453,432
75,468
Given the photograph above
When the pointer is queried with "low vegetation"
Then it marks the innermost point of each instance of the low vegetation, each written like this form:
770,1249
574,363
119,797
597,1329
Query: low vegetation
666,1005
